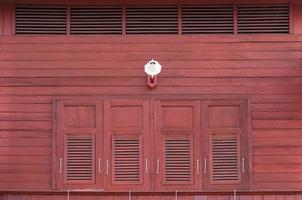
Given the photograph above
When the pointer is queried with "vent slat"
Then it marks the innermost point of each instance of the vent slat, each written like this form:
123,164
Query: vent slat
126,154
225,158
33,19
177,160
263,18
96,20
152,20
207,19
79,153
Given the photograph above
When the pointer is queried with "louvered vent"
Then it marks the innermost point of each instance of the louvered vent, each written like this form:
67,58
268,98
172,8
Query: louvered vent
263,18
152,20
207,19
177,160
126,160
96,20
225,158
79,158
40,19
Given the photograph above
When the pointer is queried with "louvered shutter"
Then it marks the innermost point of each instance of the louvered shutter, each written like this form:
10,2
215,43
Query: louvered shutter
127,150
79,143
178,160
96,20
225,157
177,138
40,19
226,165
266,18
152,20
212,19
127,159
79,155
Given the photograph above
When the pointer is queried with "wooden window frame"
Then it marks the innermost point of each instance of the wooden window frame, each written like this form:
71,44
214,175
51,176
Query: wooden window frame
204,184
59,167
244,145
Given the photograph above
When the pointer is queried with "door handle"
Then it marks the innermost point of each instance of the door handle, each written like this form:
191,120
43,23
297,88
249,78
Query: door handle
107,167
205,166
146,166
157,166
100,169
60,165
243,165
197,166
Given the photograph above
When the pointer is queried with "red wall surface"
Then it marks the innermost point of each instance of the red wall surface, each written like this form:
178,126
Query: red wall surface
265,69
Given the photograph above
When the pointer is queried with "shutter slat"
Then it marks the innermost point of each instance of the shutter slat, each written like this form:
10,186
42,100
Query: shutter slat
207,19
177,160
152,20
79,157
263,18
225,158
33,19
126,159
96,20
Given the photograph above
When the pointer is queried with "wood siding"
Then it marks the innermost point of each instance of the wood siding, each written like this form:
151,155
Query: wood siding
35,70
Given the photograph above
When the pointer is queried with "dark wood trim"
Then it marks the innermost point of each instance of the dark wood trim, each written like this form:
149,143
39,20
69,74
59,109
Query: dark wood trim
124,19
235,18
68,19
140,193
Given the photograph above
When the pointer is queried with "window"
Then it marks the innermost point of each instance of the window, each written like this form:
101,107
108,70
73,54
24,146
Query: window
152,19
127,144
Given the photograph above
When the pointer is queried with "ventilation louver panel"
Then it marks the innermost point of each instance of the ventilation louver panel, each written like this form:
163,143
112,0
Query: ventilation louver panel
80,158
214,19
40,19
177,160
263,18
225,158
127,160
152,20
96,20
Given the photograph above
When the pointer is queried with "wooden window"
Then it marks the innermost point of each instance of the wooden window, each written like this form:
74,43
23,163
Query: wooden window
177,145
127,132
152,20
226,163
215,19
195,143
41,19
96,20
79,145
266,18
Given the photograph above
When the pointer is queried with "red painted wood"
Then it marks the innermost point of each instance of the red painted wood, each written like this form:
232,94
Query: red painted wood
127,126
8,10
226,120
297,18
1,18
177,125
77,122
37,69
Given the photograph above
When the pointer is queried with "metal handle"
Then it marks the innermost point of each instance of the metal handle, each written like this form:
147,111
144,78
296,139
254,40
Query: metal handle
197,166
157,166
107,166
100,169
205,166
146,166
60,165
243,165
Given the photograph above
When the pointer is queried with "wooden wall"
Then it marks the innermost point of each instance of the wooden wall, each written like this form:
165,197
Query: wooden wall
34,70
296,196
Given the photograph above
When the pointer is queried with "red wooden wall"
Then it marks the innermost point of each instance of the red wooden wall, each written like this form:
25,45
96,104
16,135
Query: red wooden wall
34,70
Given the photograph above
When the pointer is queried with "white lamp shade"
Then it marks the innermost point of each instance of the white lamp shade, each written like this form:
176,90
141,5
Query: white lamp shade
152,68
